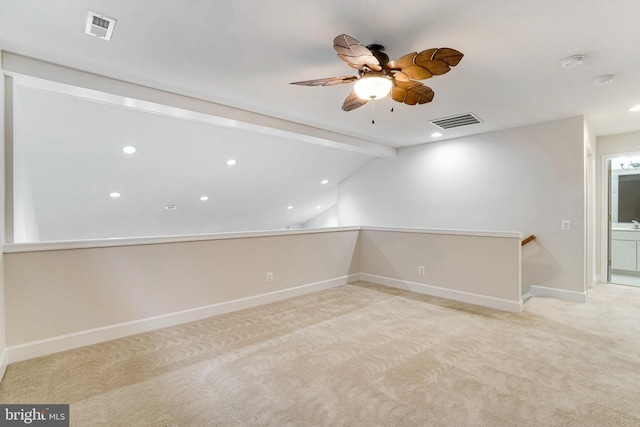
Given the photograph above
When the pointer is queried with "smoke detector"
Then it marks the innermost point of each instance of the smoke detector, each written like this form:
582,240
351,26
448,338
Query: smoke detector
99,25
603,80
572,61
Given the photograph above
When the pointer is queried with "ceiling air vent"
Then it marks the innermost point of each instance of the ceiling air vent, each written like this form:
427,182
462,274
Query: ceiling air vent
99,25
456,121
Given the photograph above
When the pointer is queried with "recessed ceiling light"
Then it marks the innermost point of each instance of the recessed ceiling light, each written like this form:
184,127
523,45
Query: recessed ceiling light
289,207
114,195
436,135
171,207
324,181
635,108
572,61
129,149
319,207
231,162
204,198
603,80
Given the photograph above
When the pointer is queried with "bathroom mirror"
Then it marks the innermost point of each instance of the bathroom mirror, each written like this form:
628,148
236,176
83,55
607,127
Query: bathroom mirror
625,190
629,198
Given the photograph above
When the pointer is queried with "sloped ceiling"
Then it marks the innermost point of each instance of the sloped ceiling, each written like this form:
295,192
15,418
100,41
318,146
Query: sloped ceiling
69,159
244,54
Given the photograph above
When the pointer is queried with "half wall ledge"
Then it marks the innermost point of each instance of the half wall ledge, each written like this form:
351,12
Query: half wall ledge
155,240
84,292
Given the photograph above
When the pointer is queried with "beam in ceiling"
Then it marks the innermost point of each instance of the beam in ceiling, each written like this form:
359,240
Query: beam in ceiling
55,78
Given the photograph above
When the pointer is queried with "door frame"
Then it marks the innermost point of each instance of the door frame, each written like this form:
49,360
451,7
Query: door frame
605,211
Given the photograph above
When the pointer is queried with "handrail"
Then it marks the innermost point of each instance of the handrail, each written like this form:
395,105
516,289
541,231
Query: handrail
528,239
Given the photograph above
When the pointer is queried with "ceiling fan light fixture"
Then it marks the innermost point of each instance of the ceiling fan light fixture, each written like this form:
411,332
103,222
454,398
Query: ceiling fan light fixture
372,86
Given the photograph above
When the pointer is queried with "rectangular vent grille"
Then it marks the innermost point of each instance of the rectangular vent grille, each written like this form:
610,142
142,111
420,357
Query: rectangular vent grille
456,121
99,26
103,23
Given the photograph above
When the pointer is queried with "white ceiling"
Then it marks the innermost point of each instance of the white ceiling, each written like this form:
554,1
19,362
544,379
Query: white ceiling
68,164
245,53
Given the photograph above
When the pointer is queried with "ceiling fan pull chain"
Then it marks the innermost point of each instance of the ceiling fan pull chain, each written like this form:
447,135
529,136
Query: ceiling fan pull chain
373,110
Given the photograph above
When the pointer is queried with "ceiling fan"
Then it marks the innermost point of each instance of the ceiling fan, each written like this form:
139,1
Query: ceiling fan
377,75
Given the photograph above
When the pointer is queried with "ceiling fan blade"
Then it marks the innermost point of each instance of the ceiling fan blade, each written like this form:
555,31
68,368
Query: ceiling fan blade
412,93
404,61
427,63
417,72
399,90
401,77
424,94
353,101
353,53
331,81
435,66
448,55
428,60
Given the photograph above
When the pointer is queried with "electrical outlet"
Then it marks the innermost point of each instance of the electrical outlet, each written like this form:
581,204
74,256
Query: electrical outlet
270,276
421,270
566,224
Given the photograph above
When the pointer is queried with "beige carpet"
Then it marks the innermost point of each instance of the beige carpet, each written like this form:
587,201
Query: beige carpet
359,355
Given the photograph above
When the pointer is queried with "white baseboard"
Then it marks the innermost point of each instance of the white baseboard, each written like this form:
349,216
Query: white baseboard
47,346
452,294
542,291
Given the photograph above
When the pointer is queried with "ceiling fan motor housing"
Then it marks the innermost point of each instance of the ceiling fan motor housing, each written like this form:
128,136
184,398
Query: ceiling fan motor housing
378,51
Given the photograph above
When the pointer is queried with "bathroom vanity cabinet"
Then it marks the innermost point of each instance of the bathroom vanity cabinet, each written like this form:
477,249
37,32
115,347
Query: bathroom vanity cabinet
625,250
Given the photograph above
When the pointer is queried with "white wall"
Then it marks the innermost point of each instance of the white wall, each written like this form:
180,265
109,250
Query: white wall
328,218
591,207
479,268
526,179
65,169
70,294
24,215
78,290
607,146
3,127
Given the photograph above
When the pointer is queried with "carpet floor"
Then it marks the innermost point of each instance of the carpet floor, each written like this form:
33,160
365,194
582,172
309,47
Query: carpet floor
359,355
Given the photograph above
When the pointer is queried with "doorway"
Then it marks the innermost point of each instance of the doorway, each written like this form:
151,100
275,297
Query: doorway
623,225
